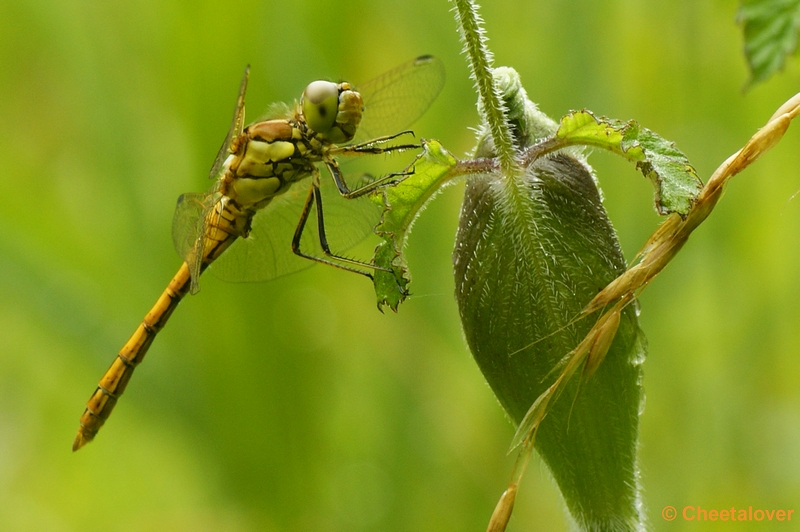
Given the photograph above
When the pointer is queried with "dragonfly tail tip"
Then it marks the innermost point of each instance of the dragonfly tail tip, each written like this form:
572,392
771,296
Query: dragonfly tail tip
79,442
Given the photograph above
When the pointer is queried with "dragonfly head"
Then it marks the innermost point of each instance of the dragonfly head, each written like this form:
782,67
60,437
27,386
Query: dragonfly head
332,110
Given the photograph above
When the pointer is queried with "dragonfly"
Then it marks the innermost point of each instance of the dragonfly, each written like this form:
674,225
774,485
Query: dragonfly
251,224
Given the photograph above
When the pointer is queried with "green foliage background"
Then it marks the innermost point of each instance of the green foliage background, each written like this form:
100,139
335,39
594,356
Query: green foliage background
294,405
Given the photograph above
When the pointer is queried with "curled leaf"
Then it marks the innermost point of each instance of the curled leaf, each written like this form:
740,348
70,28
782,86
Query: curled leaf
675,180
670,236
402,204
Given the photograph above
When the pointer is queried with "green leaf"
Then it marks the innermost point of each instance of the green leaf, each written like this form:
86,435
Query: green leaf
770,34
391,287
402,204
675,180
531,251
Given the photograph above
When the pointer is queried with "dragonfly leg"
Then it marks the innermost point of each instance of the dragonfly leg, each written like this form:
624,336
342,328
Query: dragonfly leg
383,181
374,146
351,265
323,238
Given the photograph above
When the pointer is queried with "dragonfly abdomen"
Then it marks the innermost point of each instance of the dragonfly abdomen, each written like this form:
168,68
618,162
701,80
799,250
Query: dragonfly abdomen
113,383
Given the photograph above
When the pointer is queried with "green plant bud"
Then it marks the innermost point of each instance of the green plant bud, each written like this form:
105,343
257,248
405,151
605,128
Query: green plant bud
532,250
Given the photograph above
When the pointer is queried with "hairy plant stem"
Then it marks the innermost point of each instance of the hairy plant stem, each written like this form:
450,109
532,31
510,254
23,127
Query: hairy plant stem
490,100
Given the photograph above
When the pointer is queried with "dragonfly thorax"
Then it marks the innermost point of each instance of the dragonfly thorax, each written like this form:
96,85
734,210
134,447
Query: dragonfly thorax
332,111
267,158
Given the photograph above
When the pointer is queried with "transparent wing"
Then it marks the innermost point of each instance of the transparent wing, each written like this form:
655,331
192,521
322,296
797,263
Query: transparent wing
235,130
397,98
267,252
189,227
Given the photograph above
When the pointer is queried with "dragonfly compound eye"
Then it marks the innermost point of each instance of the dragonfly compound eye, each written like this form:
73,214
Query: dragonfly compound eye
320,105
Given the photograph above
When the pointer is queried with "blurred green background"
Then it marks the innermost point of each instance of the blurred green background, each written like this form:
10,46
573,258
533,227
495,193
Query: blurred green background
295,405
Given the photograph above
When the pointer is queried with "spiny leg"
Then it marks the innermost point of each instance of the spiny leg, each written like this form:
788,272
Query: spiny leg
370,147
373,146
323,239
314,195
346,192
